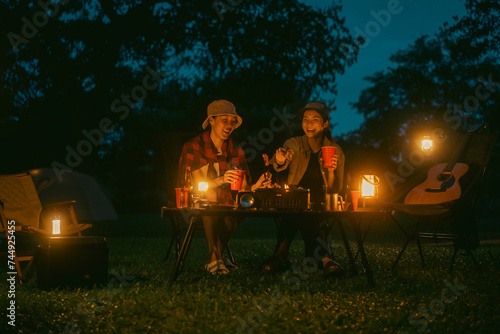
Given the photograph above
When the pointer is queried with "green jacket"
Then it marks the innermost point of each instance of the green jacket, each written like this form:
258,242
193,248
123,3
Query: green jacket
300,161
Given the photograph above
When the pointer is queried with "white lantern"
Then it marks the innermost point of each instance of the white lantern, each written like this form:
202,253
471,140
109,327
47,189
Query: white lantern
56,225
369,185
426,146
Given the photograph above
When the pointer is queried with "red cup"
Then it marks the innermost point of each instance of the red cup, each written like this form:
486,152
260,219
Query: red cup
178,197
354,198
328,152
236,185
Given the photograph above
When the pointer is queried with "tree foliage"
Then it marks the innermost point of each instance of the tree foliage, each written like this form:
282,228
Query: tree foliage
439,86
68,66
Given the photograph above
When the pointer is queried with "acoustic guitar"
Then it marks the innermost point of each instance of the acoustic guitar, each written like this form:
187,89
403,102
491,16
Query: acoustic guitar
442,183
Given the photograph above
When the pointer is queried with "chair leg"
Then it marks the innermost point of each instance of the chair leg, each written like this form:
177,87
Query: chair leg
420,251
453,257
473,259
27,271
469,252
230,254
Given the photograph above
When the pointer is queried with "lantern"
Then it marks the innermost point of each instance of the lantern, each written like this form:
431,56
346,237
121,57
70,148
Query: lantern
202,187
199,198
426,146
369,185
56,225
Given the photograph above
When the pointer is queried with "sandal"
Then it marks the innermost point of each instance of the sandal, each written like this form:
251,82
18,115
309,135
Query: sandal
217,266
275,264
228,263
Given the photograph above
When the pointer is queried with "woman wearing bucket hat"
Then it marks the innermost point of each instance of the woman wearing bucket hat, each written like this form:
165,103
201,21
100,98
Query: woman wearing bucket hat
214,157
302,157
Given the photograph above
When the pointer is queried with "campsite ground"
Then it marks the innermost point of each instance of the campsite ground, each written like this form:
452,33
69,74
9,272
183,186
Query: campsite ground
139,299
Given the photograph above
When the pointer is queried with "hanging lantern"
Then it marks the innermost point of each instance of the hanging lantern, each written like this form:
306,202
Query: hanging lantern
369,185
427,145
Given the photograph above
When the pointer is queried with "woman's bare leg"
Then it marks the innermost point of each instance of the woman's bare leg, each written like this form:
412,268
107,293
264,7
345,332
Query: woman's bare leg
227,229
212,232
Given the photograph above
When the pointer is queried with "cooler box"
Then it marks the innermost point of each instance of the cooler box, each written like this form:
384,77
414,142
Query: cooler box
71,262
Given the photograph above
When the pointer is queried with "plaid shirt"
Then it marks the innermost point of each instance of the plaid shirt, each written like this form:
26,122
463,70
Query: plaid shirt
201,151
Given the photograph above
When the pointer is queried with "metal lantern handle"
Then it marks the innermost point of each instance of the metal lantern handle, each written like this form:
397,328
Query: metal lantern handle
376,179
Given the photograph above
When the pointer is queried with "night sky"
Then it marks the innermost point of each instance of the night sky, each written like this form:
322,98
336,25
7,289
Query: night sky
414,19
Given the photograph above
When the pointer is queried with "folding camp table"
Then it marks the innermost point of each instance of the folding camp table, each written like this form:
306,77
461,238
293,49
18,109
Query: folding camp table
191,218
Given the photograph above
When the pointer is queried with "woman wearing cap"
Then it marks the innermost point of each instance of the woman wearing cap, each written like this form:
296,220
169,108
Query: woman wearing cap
213,157
302,157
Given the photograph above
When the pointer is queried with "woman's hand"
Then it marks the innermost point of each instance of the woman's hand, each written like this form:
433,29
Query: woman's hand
231,176
264,181
333,163
283,155
280,156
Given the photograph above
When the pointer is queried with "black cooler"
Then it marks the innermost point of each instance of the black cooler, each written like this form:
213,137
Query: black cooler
71,262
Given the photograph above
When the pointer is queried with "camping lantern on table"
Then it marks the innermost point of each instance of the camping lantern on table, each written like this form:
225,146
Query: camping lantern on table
202,187
369,185
199,198
56,225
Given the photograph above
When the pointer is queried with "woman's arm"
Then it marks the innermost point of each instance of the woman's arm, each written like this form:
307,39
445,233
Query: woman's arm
331,174
335,175
280,159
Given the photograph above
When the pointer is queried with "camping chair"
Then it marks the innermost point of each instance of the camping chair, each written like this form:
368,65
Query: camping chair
21,208
451,220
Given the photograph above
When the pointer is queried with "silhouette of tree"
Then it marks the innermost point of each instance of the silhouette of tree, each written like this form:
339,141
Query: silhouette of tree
65,72
439,86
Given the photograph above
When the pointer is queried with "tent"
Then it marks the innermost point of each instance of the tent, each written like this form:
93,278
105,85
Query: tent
91,205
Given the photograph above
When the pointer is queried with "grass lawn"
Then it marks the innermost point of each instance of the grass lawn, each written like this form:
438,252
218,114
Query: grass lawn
139,299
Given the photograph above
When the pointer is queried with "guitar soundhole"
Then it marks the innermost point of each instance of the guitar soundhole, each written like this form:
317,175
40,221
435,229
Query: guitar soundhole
443,177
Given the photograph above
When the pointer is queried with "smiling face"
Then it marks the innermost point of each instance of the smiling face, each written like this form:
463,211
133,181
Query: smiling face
223,125
313,124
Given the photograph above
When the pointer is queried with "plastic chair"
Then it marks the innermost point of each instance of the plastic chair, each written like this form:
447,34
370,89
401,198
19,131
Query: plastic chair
21,214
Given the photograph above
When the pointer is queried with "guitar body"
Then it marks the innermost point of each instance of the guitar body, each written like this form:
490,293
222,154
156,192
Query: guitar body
439,186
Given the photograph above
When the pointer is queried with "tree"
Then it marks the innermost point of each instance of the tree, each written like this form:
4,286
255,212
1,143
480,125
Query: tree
439,86
72,70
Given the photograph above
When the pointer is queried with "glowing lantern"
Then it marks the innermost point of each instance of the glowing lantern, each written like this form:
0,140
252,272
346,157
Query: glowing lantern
56,225
426,146
202,186
369,185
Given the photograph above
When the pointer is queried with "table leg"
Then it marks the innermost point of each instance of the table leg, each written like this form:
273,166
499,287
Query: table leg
364,238
175,239
179,263
364,260
354,270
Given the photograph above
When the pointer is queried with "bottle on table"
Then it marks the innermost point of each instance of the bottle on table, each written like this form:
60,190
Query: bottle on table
347,195
186,188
